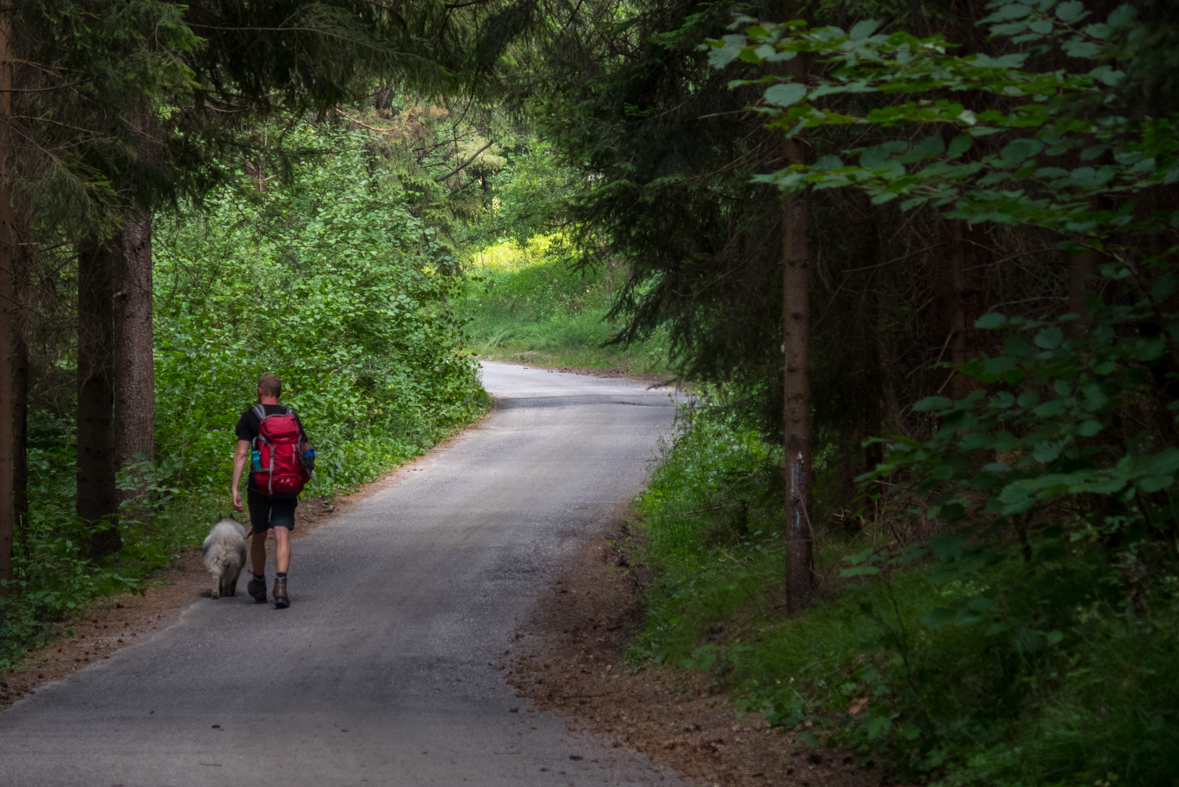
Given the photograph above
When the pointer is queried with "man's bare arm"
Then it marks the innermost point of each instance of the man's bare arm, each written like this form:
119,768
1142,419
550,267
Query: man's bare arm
240,457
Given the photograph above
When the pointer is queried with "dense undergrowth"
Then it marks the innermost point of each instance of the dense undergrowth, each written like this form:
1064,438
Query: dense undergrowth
328,278
527,302
1019,672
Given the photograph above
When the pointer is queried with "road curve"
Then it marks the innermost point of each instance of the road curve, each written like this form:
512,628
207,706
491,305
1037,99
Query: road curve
381,671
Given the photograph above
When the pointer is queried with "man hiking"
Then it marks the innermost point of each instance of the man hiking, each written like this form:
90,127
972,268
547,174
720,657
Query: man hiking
270,438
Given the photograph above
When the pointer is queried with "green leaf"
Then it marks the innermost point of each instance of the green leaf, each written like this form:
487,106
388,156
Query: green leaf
1148,349
1090,178
1020,150
959,145
863,29
1122,15
726,50
948,546
992,320
931,146
1155,483
1046,452
878,727
1165,461
996,366
974,441
1003,400
1095,398
1050,338
1163,287
1052,409
1107,486
1028,399
785,93
874,158
1071,11
1011,11
933,403
765,52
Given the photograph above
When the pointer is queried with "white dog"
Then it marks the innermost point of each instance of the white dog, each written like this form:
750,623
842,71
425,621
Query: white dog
225,554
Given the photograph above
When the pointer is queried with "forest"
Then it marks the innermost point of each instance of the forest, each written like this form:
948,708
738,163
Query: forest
913,261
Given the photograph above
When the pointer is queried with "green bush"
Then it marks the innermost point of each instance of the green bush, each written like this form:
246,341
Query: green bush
330,281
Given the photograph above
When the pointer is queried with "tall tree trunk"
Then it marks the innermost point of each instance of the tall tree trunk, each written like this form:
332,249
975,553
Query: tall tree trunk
796,406
20,373
135,379
7,300
1082,271
97,503
968,260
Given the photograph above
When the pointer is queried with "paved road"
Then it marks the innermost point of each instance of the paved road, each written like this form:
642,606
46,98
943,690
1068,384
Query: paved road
381,671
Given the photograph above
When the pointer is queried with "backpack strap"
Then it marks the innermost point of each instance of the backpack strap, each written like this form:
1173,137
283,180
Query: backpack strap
260,413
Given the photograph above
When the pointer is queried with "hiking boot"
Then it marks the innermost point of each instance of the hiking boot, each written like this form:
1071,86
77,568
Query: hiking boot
257,590
281,601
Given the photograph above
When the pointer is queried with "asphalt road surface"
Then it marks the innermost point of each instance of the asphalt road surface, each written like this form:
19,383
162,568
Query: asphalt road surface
380,673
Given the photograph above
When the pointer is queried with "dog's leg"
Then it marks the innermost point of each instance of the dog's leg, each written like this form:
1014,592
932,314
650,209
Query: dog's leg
217,589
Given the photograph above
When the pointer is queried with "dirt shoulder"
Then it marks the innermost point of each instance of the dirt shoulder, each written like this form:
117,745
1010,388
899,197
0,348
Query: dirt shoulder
569,660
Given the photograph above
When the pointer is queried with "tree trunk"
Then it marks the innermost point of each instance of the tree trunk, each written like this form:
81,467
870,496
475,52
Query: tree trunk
7,301
1082,271
968,260
796,405
135,381
97,503
20,373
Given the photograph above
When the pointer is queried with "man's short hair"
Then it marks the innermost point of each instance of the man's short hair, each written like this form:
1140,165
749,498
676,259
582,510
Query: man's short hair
270,385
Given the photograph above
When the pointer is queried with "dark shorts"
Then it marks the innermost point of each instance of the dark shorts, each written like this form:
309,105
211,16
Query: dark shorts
267,512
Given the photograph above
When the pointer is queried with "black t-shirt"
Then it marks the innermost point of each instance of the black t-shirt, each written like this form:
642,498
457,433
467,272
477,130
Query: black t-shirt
247,429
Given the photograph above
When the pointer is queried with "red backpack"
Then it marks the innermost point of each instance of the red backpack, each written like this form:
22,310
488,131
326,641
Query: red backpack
278,448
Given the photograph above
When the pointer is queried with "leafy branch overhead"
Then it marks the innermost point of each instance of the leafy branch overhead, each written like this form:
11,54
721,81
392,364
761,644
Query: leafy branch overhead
1027,177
